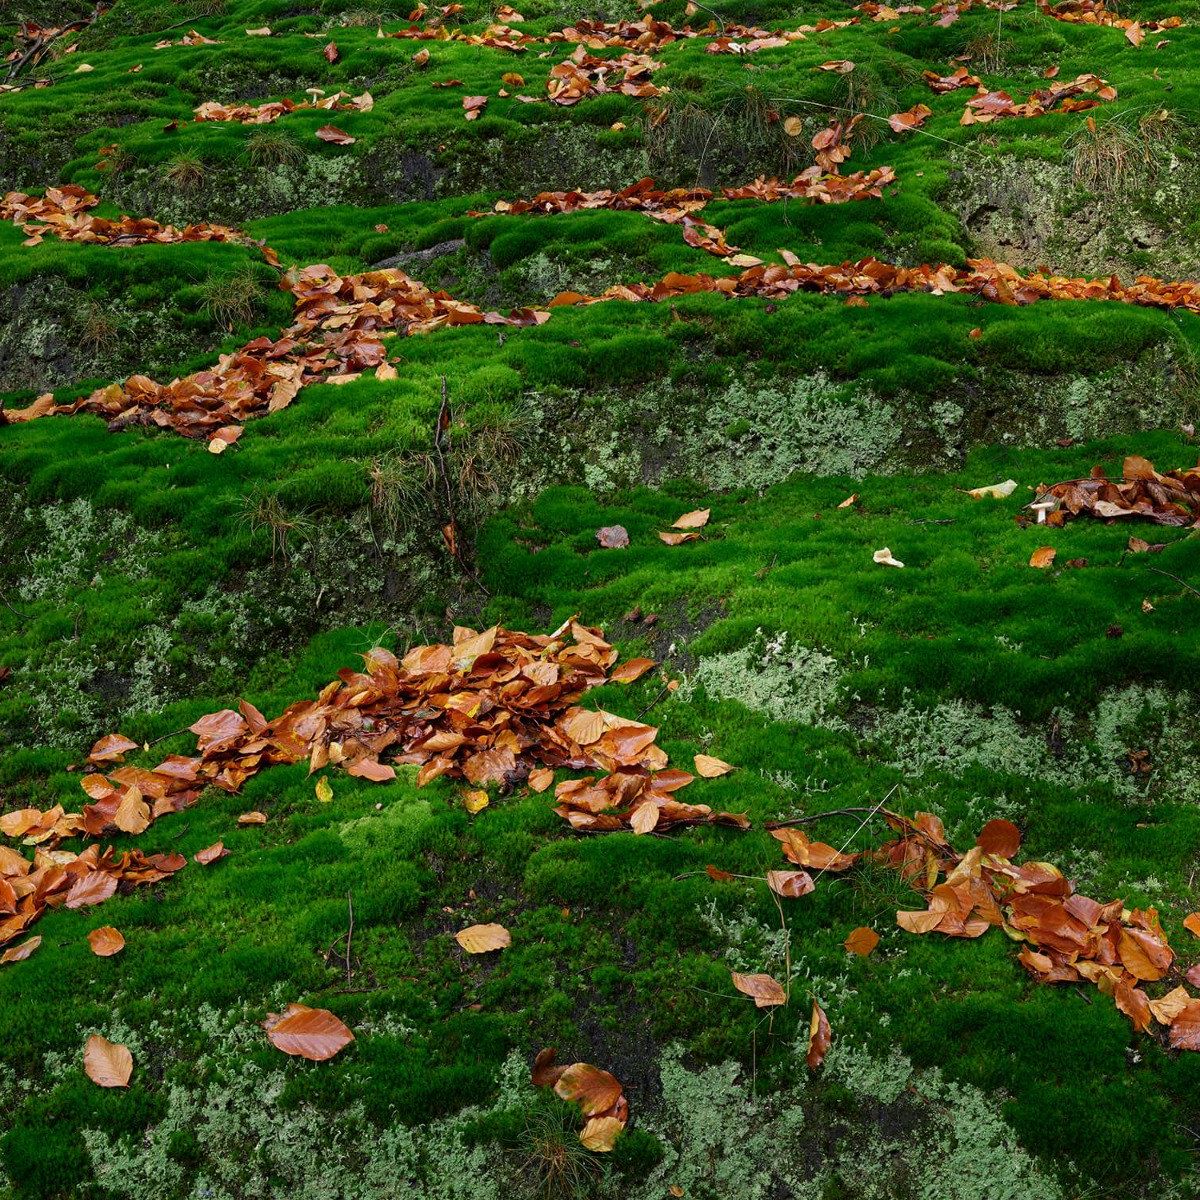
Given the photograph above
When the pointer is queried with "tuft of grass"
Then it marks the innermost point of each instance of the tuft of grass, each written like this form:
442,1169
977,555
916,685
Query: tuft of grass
185,171
1105,155
232,298
552,1161
273,148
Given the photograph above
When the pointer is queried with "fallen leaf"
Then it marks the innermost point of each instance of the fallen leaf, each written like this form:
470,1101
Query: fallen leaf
106,1063
594,1090
331,52
540,779
600,1133
819,1037
324,789
762,989
862,941
210,854
886,558
995,491
475,800
1192,923
693,520
632,669
1043,557
677,539
708,767
23,951
311,1033
106,941
792,884
999,837
265,31
850,501
252,818
421,57
338,137
482,939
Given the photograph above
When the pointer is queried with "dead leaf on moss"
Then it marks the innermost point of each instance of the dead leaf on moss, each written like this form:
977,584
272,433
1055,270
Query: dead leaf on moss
106,1063
762,989
483,939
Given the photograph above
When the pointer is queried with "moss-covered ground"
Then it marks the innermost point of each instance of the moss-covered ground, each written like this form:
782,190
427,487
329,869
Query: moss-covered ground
145,582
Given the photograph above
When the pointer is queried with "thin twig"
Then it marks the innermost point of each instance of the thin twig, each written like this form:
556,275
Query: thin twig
1181,582
349,934
833,812
657,699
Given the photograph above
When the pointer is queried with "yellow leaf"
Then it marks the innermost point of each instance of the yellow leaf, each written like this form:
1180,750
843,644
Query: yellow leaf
475,800
480,939
708,767
324,790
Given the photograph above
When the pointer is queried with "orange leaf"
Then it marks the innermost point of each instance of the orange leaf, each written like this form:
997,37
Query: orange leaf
21,952
708,767
1192,923
762,989
862,941
792,884
594,1090
633,669
210,854
1042,557
106,1063
106,941
696,519
312,1033
999,837
819,1037
252,818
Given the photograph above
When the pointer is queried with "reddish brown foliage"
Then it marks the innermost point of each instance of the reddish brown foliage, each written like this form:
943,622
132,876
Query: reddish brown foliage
1058,97
599,1095
1166,499
265,114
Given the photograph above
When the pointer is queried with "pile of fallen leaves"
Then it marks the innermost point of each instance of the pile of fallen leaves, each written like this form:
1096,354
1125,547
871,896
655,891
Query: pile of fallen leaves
1095,12
265,114
64,212
336,335
60,879
1063,97
499,707
599,1095
1065,937
583,75
1172,498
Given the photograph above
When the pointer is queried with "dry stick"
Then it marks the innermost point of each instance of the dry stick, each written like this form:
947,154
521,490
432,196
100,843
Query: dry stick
349,934
42,44
1181,582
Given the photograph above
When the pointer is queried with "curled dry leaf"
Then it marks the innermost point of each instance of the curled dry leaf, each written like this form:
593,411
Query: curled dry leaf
613,537
819,1037
762,989
107,1064
324,789
677,539
482,939
312,1033
1043,557
792,884
334,135
473,106
106,941
850,501
1192,923
862,941
421,57
886,558
594,1090
330,52
22,952
210,854
252,818
540,779
708,767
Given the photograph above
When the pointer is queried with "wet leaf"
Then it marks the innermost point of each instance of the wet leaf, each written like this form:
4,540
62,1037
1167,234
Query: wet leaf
600,1133
819,1037
792,884
324,789
862,941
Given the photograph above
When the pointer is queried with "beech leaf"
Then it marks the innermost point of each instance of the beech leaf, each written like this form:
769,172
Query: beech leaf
482,939
312,1033
107,1064
762,989
106,941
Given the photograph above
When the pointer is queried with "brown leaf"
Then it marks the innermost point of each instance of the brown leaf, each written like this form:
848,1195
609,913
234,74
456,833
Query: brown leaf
677,539
106,1063
632,669
330,52
696,519
999,837
1192,923
252,818
792,884
339,137
540,779
1043,557
708,767
421,57
819,1037
312,1033
111,748
594,1090
762,989
210,854
600,1133
481,939
106,941
23,951
862,941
